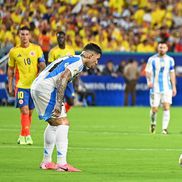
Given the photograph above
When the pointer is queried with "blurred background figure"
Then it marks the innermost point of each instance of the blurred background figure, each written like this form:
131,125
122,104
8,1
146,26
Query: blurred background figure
131,75
62,49
45,43
85,96
120,70
109,69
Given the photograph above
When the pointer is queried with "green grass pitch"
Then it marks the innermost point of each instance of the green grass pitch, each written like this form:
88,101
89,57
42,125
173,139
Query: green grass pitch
108,144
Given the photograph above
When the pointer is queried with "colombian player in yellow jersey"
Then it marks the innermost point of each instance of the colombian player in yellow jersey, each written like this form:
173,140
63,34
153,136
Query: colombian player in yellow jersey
25,62
62,50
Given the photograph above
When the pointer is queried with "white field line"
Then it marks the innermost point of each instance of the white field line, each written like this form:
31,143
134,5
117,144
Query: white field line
92,132
93,148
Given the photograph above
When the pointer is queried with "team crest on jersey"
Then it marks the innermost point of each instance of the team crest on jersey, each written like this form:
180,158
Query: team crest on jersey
32,53
20,101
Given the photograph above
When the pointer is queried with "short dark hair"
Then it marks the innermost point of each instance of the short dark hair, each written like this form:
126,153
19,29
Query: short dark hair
162,42
24,28
60,33
93,47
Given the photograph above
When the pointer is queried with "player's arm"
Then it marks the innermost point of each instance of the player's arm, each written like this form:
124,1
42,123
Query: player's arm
41,59
173,82
51,56
173,77
61,86
41,66
11,70
148,71
10,80
149,79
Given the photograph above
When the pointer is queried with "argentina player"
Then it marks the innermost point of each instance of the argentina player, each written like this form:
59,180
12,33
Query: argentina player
161,81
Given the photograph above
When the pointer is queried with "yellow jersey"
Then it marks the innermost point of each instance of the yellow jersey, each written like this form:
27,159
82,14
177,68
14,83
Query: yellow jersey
25,61
57,52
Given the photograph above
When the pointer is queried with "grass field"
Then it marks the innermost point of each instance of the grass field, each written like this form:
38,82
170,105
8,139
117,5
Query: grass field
107,144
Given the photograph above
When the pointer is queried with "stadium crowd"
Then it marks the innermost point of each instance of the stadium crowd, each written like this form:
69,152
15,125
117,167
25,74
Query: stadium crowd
116,25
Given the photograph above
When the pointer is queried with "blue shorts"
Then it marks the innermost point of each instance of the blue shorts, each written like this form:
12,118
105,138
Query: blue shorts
23,98
69,92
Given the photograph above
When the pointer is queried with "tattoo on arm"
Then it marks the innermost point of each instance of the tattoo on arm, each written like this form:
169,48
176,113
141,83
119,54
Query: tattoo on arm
61,86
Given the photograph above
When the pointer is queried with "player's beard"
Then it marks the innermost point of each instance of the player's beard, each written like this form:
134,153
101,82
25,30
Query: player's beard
161,54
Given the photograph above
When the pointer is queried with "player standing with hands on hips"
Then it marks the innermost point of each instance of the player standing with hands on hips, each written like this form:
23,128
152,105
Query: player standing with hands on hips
47,92
161,81
25,62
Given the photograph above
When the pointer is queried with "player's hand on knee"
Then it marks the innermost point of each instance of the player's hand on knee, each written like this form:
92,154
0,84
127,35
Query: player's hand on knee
56,113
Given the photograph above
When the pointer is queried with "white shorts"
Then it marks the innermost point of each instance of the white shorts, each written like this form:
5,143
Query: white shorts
44,104
157,98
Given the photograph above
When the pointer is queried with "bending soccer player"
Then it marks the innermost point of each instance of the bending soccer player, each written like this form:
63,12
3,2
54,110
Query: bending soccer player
48,92
25,61
161,80
61,50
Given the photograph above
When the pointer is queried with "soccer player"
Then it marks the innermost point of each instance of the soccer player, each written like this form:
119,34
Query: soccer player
25,61
47,92
161,80
56,52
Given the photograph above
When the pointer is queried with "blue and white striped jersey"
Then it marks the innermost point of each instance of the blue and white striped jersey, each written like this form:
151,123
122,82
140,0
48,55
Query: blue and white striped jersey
160,68
46,81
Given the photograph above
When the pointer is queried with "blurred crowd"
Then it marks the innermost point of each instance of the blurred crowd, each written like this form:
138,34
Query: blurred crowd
116,25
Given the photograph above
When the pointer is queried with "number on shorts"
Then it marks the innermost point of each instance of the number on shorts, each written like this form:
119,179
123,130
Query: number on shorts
20,95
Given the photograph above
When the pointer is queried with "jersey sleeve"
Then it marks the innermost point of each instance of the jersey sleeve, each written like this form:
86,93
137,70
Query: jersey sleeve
172,64
51,56
72,52
40,55
149,66
11,61
75,68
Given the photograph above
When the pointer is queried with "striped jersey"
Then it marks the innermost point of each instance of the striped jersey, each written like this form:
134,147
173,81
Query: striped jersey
46,81
160,68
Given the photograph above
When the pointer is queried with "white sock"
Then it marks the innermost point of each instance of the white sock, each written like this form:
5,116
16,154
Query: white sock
166,118
62,143
49,142
153,117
